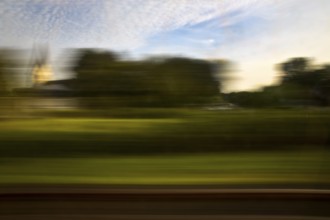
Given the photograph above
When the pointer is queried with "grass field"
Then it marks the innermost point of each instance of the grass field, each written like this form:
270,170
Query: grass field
226,168
185,147
193,131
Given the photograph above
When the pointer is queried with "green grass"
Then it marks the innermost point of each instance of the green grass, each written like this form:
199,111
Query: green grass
194,131
76,128
223,168
185,147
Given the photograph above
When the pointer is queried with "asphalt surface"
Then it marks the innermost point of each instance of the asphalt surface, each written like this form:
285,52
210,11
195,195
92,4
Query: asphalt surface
136,204
157,217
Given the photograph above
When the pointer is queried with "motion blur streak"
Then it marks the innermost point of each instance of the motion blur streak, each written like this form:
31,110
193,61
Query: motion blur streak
210,109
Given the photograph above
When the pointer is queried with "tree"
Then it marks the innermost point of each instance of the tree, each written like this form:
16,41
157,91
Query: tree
304,81
3,82
104,80
223,68
296,65
92,69
168,81
186,81
7,65
322,87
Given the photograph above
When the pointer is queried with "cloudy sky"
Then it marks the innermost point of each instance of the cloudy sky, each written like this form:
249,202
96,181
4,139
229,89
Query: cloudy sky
255,34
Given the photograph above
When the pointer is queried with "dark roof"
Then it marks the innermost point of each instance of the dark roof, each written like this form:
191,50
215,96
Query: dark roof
63,82
54,88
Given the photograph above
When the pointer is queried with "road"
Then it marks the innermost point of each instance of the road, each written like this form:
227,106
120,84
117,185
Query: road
164,204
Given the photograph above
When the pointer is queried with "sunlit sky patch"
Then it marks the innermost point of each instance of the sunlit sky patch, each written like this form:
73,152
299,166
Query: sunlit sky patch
254,34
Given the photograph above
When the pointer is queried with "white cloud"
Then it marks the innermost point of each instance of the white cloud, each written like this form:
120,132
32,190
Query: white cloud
25,21
133,21
296,28
299,29
119,24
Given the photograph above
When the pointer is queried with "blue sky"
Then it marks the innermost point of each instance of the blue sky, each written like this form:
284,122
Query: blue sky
254,34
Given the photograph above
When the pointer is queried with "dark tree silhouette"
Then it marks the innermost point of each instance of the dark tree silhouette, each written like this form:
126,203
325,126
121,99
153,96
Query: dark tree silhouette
305,80
167,82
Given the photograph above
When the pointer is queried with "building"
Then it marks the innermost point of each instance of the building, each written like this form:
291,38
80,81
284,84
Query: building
44,92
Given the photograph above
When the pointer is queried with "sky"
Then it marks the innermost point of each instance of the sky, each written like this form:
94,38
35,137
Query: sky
253,34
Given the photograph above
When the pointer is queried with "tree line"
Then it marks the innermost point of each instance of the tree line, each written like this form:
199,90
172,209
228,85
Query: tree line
105,79
301,83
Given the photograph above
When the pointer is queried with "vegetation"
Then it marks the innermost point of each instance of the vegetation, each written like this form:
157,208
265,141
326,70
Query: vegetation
122,134
192,132
295,167
7,64
103,80
301,84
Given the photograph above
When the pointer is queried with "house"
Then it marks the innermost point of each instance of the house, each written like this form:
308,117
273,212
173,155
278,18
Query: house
44,92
